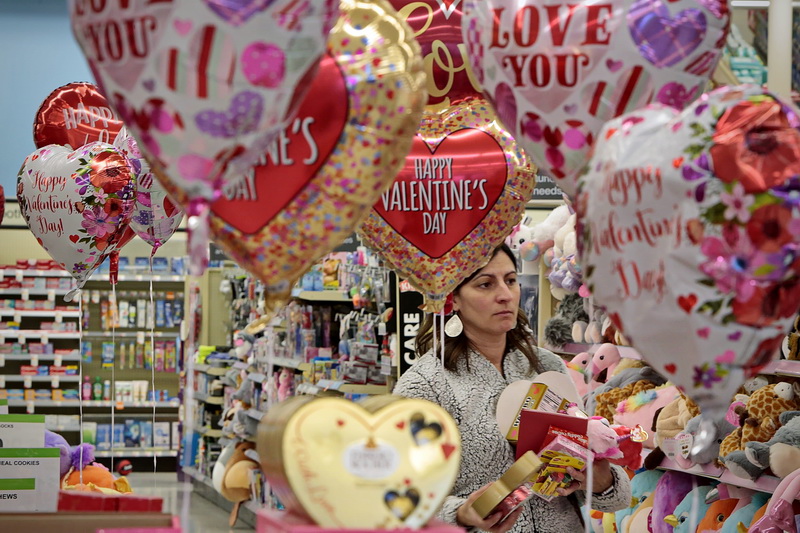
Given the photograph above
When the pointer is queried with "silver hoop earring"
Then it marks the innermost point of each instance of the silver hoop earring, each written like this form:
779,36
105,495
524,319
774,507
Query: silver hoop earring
453,327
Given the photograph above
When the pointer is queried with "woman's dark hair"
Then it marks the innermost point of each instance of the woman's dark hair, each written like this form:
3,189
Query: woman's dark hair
455,348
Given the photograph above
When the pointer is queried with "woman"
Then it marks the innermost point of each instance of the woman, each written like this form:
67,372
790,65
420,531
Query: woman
495,349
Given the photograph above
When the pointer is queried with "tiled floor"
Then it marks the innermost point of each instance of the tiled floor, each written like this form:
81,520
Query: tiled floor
197,514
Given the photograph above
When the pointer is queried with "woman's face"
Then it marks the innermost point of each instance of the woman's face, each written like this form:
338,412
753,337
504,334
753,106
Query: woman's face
488,303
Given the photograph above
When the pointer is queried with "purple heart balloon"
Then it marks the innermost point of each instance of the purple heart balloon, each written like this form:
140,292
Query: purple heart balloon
662,39
237,12
241,118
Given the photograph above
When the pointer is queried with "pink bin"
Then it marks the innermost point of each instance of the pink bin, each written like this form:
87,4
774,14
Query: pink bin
270,521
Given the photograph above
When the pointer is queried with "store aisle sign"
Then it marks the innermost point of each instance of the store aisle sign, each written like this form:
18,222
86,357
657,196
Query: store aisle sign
409,319
546,189
29,479
21,431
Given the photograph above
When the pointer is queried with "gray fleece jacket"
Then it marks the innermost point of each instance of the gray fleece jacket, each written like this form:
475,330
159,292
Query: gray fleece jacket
470,396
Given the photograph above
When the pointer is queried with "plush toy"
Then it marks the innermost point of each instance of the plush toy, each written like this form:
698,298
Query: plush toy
781,509
741,518
716,515
604,361
607,402
755,458
86,475
243,346
521,241
543,237
602,439
641,410
622,378
643,485
285,384
670,421
688,513
330,273
54,440
629,442
558,330
577,370
235,486
711,453
670,490
763,410
791,344
218,472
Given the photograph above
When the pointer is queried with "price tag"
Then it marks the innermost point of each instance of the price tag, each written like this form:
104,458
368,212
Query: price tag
45,339
20,275
34,359
29,407
26,294
59,317
28,382
382,328
55,382
51,295
17,317
120,405
2,382
57,360
140,337
21,339
2,360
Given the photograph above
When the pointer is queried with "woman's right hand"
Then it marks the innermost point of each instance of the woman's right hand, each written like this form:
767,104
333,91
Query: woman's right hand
466,516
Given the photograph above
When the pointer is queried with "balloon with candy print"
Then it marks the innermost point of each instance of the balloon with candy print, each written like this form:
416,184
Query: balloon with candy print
77,203
203,86
462,189
318,180
437,28
556,72
73,115
689,227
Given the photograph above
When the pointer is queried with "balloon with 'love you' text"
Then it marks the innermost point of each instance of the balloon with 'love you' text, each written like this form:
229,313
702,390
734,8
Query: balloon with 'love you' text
689,235
556,71
462,189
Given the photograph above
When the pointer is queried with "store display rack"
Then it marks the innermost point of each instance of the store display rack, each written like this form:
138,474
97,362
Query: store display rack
74,356
94,403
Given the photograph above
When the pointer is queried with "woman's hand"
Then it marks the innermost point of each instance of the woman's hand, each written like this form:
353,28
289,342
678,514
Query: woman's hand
602,478
468,517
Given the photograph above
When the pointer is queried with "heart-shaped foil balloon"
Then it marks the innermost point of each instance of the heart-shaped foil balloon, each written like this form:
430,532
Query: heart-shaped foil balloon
386,463
77,203
203,86
462,189
319,179
556,72
689,228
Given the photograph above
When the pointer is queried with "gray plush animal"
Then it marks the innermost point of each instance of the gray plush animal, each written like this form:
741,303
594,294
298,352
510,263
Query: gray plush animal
558,330
711,453
755,459
622,379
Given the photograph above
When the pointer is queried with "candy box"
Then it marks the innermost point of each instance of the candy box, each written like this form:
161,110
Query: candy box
559,454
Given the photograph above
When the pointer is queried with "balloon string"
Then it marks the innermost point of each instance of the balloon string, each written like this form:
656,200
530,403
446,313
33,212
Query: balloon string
153,359
441,333
188,391
80,380
588,489
435,337
113,366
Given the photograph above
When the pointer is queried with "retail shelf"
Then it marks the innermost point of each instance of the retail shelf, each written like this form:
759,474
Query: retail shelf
240,365
156,278
782,367
57,428
93,403
255,413
35,292
212,370
135,452
341,386
40,356
322,296
575,348
213,400
257,377
38,379
131,334
42,312
39,333
290,363
764,483
208,432
23,272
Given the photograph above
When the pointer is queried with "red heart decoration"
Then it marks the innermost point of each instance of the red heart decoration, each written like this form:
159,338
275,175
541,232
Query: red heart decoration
448,450
436,231
671,368
280,177
74,238
688,302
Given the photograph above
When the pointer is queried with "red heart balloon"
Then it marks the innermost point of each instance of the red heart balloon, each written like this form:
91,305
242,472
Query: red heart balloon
462,190
425,221
308,142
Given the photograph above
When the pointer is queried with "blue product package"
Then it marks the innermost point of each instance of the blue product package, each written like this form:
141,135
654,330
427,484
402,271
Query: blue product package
124,264
145,433
160,264
103,437
178,265
87,351
141,264
168,314
119,435
132,433
161,436
160,314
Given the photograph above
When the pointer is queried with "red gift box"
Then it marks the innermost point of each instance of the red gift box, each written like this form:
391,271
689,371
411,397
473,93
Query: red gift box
270,521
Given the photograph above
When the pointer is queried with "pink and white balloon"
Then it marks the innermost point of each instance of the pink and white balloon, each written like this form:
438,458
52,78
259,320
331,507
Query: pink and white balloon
155,216
690,236
77,203
556,72
204,86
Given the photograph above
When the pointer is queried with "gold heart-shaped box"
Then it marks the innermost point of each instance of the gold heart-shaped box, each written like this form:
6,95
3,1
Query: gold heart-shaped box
384,463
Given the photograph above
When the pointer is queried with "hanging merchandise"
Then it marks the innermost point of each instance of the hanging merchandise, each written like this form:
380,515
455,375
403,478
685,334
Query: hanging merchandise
73,115
462,189
155,217
437,29
349,138
77,203
555,73
692,217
